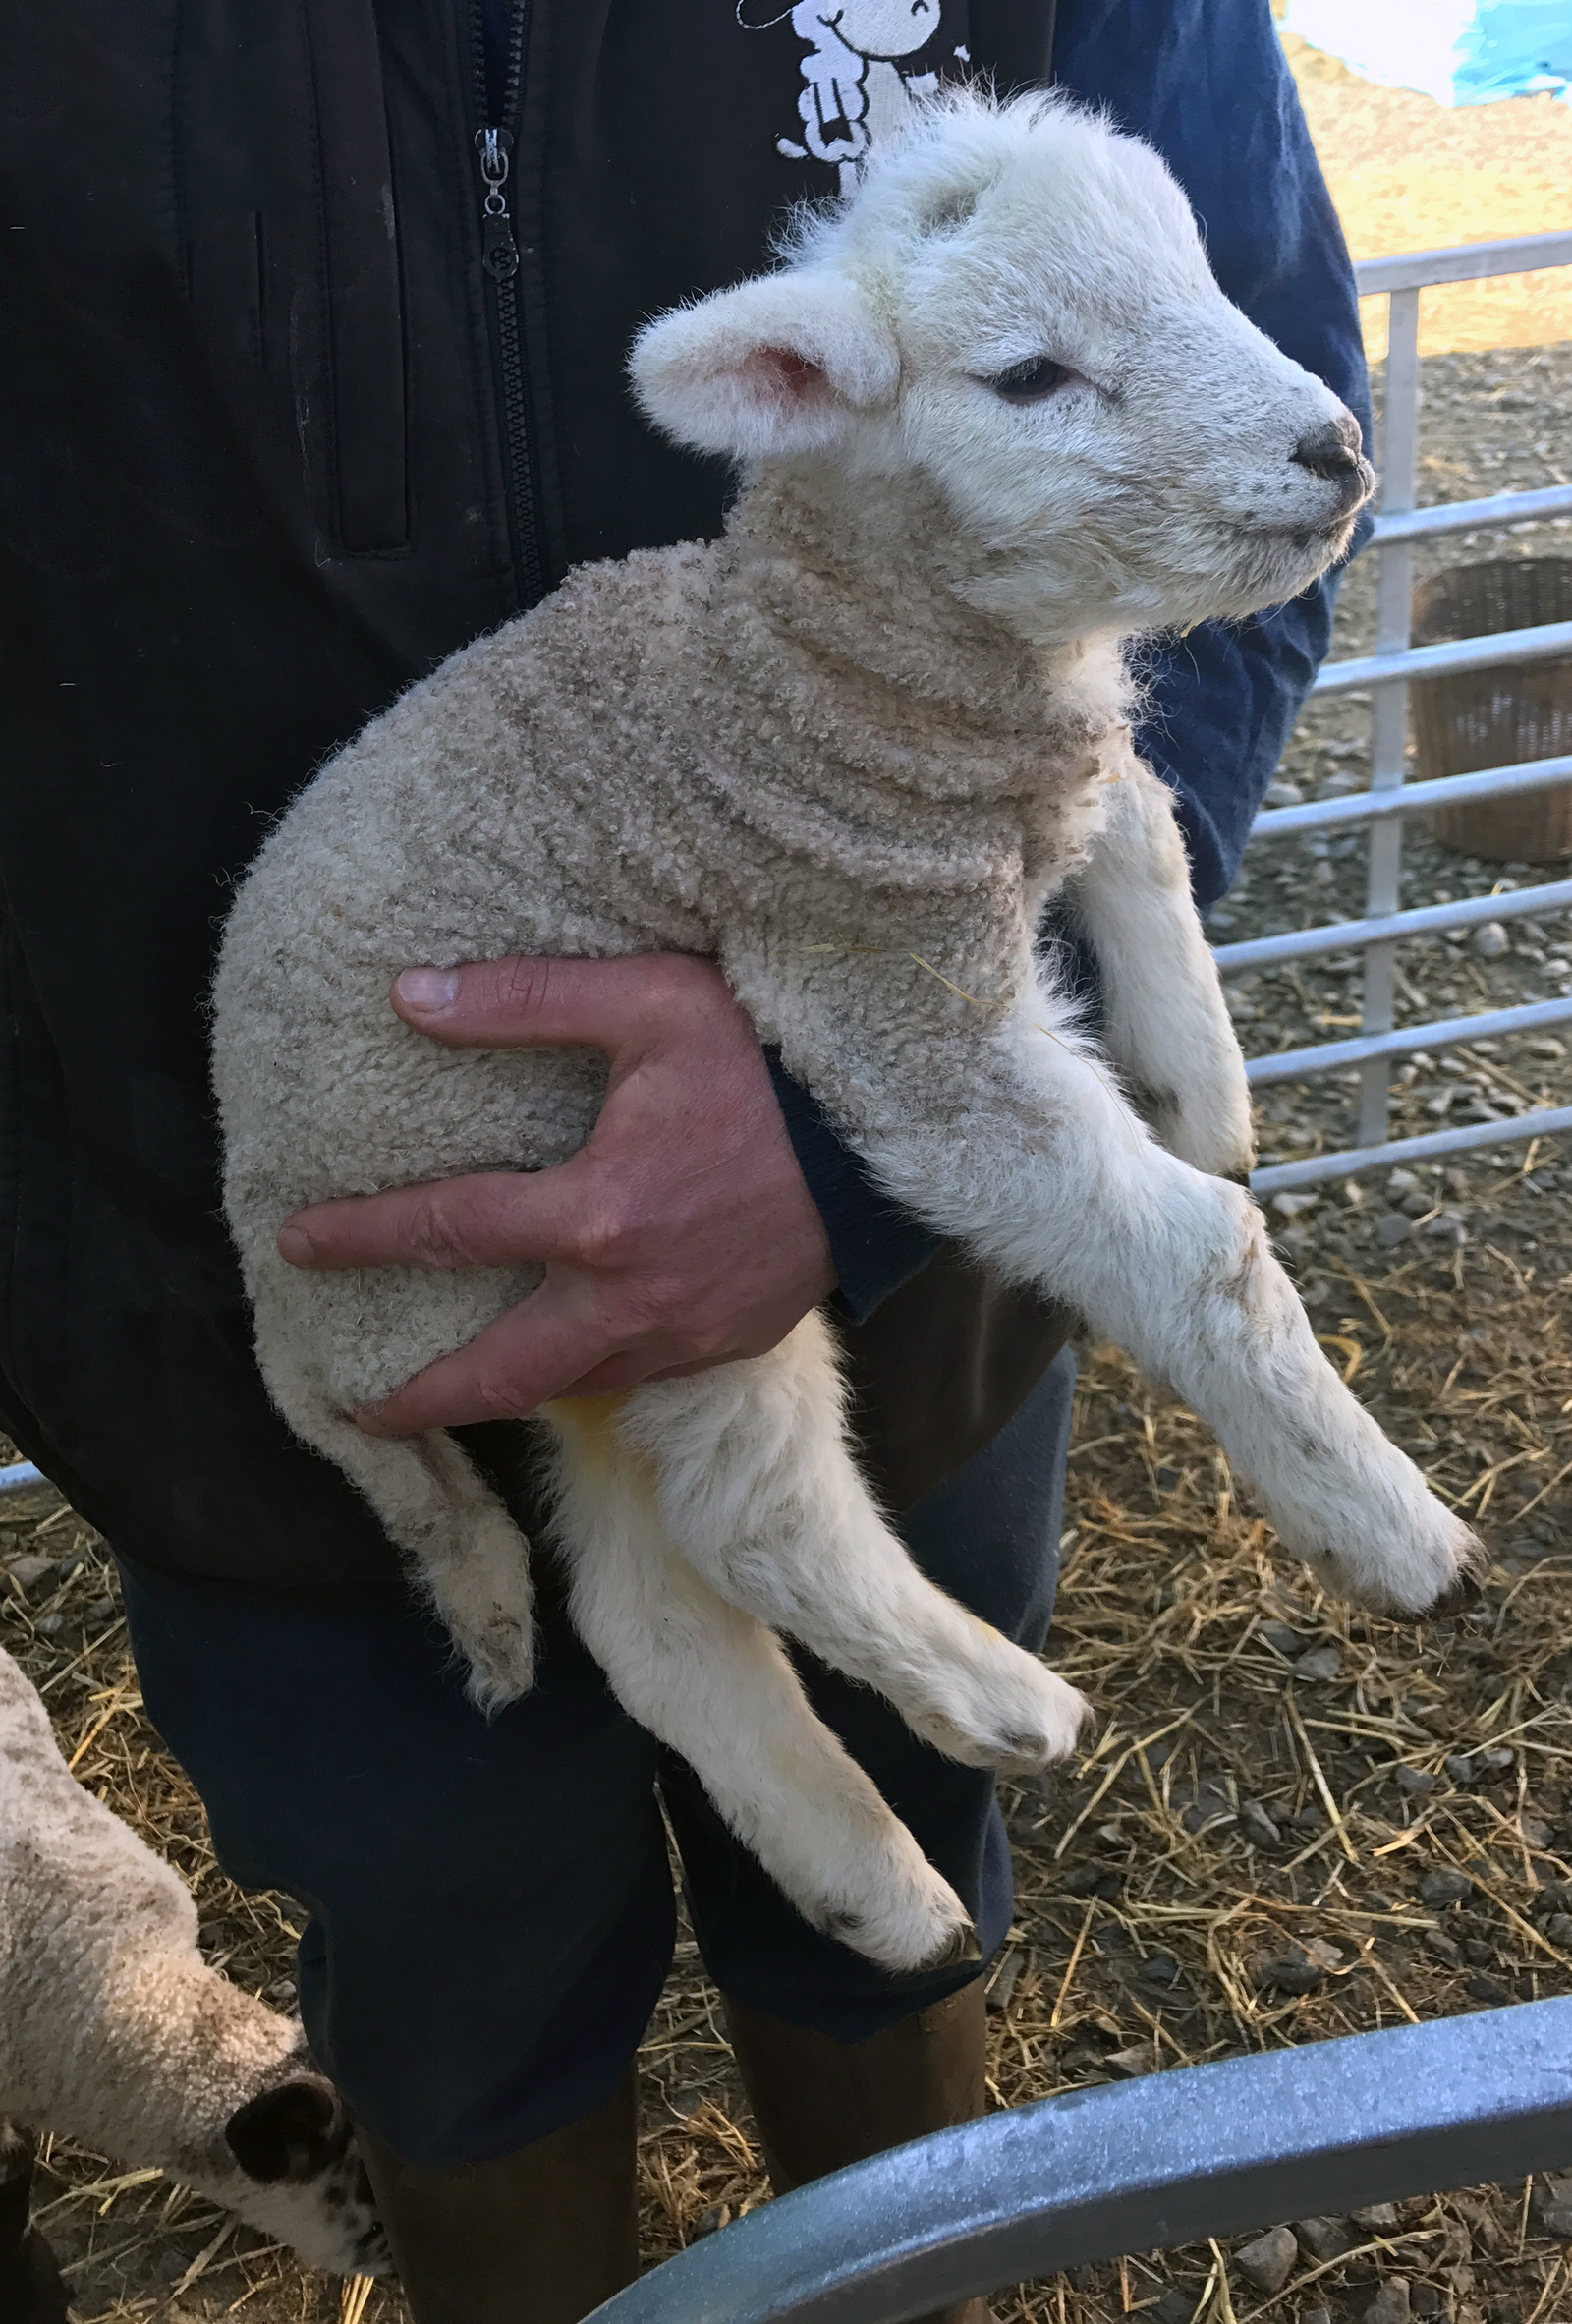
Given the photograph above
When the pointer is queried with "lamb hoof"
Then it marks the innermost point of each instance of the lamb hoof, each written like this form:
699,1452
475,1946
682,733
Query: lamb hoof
907,1919
1022,1716
1438,1572
1028,1750
491,1688
1208,1139
964,1946
502,1662
960,1947
1464,1591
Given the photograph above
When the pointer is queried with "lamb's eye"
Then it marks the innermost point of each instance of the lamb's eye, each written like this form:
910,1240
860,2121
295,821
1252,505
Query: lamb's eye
1031,381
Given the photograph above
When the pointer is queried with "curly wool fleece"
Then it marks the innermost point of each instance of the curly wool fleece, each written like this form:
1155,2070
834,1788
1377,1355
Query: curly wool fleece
114,2030
848,749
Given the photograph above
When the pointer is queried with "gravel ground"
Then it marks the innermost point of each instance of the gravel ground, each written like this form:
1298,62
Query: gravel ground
1186,1894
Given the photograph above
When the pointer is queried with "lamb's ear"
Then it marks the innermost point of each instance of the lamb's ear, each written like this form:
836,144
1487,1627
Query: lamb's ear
292,2133
779,365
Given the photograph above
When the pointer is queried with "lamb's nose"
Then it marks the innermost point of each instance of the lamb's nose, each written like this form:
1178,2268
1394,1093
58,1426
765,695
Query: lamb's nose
1331,451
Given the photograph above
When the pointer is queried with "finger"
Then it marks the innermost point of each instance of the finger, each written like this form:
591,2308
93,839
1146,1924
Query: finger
527,1001
630,1367
492,1218
537,1350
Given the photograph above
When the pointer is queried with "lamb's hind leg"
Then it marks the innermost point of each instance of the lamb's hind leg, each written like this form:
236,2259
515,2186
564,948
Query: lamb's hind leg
715,1685
759,1488
466,1552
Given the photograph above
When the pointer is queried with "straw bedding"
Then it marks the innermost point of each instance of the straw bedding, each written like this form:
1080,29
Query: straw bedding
1177,1891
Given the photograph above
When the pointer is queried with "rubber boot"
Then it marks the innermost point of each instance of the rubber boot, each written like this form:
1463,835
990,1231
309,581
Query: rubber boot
541,2237
30,2288
820,2104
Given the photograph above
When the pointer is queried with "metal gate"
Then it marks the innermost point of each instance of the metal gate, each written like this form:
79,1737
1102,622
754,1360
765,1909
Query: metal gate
1386,674
1177,2157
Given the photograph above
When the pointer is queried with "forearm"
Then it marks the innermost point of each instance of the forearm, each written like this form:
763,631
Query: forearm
876,1245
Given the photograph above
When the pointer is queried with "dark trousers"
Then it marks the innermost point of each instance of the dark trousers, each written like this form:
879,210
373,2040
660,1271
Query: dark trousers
491,1904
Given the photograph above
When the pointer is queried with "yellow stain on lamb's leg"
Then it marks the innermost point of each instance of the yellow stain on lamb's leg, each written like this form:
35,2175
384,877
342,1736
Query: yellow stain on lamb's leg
589,1427
590,1420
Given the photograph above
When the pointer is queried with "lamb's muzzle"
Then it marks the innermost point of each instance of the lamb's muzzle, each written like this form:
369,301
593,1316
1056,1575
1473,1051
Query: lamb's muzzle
1334,452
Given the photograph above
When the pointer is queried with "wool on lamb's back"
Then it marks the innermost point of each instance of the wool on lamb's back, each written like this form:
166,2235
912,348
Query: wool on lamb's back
694,740
478,816
84,1903
115,2031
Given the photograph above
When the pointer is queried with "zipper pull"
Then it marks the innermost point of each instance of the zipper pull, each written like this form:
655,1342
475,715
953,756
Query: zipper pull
499,253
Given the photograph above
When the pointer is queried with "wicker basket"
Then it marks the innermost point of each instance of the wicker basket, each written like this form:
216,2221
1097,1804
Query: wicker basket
1496,717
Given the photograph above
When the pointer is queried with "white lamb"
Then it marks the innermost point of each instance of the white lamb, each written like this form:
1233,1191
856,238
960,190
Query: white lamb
995,417
114,2030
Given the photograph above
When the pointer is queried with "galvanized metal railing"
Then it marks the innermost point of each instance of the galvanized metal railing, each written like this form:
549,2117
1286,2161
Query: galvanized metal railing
1387,674
1173,2158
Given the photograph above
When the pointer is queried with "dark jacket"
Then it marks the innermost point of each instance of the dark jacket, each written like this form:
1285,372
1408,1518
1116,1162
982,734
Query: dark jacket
282,422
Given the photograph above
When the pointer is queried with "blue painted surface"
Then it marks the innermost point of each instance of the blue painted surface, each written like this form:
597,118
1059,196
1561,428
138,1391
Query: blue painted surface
1460,52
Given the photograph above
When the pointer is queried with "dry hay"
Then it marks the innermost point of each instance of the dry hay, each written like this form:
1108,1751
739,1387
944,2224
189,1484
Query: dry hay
1153,1901
1408,174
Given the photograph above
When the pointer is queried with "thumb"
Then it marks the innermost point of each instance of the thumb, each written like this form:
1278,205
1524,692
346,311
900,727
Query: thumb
524,1001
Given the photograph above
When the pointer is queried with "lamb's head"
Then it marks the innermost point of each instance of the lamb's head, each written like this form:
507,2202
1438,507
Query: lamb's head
1015,304
286,2161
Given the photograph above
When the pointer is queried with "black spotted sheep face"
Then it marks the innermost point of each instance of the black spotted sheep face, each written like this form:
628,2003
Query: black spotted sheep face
308,2183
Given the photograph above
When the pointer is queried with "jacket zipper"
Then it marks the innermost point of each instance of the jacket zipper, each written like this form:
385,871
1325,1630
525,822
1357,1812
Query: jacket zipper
499,255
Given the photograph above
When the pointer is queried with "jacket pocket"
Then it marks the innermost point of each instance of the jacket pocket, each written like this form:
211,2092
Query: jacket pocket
364,296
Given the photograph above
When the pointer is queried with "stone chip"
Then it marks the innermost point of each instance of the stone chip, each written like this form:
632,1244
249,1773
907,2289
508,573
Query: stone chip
1445,1887
25,1571
1323,2239
1268,2262
1256,1825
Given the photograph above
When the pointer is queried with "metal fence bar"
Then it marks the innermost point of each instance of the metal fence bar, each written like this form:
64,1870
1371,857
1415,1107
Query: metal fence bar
1383,810
1316,1169
1394,592
1094,2174
1328,1056
1542,644
1343,936
1469,261
1447,790
1470,516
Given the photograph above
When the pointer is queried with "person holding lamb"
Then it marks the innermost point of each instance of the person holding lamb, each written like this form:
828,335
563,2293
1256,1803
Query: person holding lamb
341,393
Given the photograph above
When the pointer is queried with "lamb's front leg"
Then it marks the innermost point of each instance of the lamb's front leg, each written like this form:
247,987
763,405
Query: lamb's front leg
1164,1022
1004,1132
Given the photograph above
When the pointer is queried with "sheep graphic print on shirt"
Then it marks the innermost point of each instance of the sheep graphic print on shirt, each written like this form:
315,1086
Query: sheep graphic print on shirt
865,61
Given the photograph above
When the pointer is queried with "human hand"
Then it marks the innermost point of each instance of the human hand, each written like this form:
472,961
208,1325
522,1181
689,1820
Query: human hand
681,1235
